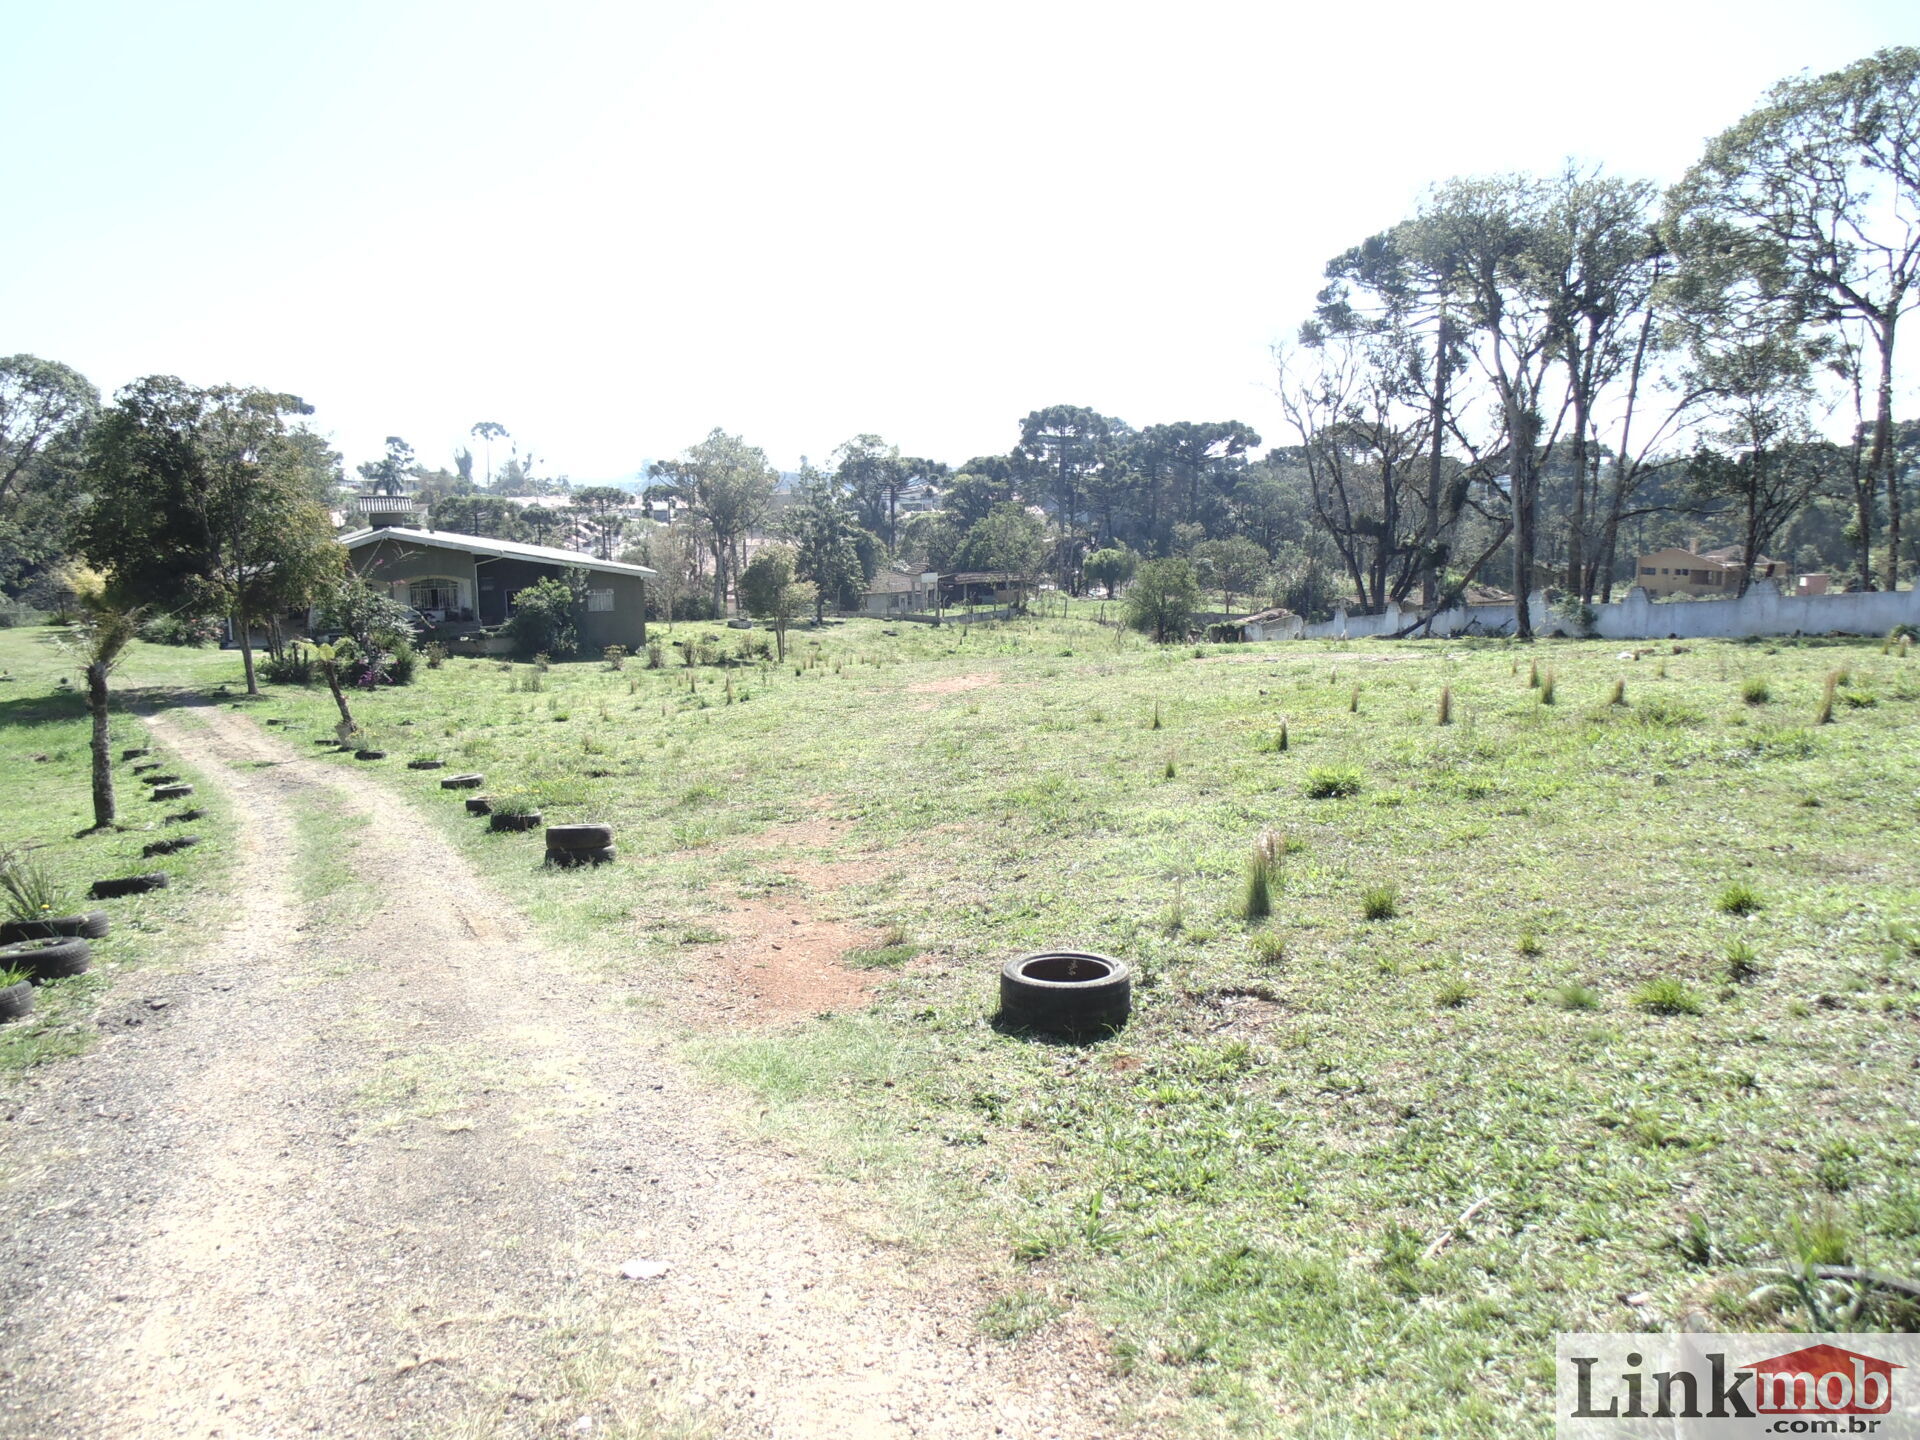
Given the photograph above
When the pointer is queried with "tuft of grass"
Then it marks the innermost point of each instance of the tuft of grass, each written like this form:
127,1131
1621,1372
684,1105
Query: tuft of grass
1739,898
1754,690
1824,715
1529,943
1546,686
1333,782
1533,674
1380,902
1156,716
1171,768
1353,701
881,957
1667,996
1575,996
1742,963
1445,714
1452,994
1269,948
1263,867
1617,695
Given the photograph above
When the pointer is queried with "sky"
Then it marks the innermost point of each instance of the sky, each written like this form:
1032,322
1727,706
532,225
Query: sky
614,227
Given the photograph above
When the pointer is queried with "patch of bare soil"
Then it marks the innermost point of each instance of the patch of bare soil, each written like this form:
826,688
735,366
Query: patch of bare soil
782,962
374,1165
953,685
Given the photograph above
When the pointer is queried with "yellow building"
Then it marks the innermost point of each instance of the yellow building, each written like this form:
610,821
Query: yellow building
1700,573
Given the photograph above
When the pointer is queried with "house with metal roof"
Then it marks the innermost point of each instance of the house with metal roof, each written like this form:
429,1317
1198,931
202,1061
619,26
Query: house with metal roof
463,585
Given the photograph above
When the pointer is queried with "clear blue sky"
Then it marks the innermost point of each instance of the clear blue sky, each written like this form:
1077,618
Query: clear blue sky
612,227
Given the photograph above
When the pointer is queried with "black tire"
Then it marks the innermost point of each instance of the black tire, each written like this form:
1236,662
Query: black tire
128,885
171,792
327,740
186,816
426,764
604,855
143,766
1070,992
369,754
91,926
49,959
162,779
479,805
275,720
463,782
136,752
167,847
579,837
514,822
16,1001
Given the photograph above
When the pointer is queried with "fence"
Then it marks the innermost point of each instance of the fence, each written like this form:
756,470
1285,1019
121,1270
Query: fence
1763,610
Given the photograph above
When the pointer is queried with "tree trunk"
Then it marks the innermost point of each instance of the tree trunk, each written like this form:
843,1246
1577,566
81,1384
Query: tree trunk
1437,423
100,745
1522,425
1863,488
780,636
1883,457
331,670
245,632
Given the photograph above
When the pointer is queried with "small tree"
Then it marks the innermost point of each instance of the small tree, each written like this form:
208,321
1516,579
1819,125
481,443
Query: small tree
769,591
102,635
372,619
1233,567
1162,599
1110,568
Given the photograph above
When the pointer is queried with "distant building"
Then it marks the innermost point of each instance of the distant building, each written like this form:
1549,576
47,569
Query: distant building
1701,574
895,593
461,584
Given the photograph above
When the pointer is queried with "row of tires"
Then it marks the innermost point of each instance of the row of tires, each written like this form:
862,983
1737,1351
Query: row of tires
588,843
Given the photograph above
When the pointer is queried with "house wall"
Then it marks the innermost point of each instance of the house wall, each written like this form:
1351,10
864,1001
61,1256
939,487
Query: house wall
492,582
1763,610
391,561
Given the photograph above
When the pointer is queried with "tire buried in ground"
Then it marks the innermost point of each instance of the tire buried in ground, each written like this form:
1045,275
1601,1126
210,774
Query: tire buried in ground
15,1001
565,859
369,754
479,805
1065,992
579,837
48,959
167,847
514,822
171,792
128,885
469,781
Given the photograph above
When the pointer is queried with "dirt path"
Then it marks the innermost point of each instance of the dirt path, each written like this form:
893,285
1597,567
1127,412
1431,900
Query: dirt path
378,1176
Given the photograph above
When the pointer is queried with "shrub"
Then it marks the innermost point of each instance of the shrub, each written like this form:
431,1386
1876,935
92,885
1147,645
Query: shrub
516,802
436,654
1452,994
1618,695
615,656
195,631
545,619
656,655
1575,996
1333,782
1380,902
1754,690
1666,996
1739,898
28,891
1263,866
293,666
401,663
1269,948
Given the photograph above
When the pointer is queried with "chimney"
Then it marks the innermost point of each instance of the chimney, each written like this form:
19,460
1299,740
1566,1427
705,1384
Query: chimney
382,511
1693,545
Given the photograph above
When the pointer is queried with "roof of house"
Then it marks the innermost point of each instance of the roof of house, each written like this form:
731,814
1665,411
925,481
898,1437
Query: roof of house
1279,612
493,549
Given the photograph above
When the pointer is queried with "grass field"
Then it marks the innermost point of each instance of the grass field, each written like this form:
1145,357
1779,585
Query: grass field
1631,986
48,814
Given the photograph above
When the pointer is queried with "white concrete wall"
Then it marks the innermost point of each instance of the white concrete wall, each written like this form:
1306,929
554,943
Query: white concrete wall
1763,610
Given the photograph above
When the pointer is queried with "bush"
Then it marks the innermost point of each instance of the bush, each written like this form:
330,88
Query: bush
195,631
1162,599
294,666
545,619
436,654
1380,902
401,663
1332,782
1739,898
1754,690
615,656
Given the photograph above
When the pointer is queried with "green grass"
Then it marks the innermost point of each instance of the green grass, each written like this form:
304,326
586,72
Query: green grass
1240,1188
48,818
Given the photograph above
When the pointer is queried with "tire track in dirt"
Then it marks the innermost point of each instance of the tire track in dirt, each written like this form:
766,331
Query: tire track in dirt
375,1176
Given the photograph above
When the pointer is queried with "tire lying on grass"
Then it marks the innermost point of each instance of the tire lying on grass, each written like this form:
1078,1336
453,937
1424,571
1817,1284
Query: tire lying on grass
1068,992
167,847
426,764
514,822
128,885
91,926
369,754
136,752
579,837
604,855
48,959
479,805
171,792
470,781
152,778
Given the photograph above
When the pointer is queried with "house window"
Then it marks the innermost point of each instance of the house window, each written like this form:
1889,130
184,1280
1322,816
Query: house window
599,600
434,592
1647,570
1683,572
